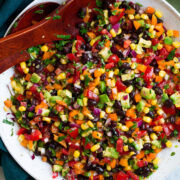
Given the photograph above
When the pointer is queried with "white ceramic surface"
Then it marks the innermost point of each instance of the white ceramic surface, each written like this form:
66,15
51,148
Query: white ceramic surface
42,171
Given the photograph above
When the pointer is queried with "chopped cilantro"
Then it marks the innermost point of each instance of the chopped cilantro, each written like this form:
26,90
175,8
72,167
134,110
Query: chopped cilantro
40,11
8,122
87,80
56,17
171,54
89,64
15,24
173,153
49,17
99,3
65,37
61,138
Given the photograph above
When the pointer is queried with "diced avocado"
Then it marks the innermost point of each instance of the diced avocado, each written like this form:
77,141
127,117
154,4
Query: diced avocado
63,118
102,86
105,53
94,40
80,102
18,88
47,95
148,93
86,133
35,78
74,47
145,43
125,100
106,19
57,168
66,93
29,84
53,99
104,98
87,174
111,152
156,143
126,77
65,171
141,105
45,112
176,99
164,97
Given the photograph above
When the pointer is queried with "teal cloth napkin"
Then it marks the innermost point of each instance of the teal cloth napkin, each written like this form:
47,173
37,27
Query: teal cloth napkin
8,10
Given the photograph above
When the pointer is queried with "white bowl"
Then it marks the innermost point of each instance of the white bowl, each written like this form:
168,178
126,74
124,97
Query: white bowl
42,171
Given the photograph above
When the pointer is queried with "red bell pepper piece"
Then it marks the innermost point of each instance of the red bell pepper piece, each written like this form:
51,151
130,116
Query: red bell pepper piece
141,134
132,175
168,129
119,145
140,163
20,98
21,131
120,86
72,57
55,175
122,176
34,136
113,59
149,59
109,65
73,132
171,110
148,74
79,38
65,152
115,19
155,41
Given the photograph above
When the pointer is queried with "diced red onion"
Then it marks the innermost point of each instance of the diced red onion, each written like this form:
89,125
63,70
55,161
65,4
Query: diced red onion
108,121
39,111
76,105
140,123
84,68
126,36
116,27
125,97
126,52
74,125
33,157
134,54
134,59
96,111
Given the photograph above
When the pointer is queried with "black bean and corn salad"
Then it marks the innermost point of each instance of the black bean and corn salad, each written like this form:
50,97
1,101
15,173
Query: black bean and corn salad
103,104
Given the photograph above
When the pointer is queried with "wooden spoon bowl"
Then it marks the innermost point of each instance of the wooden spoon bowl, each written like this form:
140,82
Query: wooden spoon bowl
62,21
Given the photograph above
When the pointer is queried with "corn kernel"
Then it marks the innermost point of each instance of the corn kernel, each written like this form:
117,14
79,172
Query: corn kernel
131,16
20,138
128,168
84,126
131,153
44,48
119,125
113,33
133,65
137,16
170,33
113,82
102,114
23,65
102,70
157,128
57,124
61,76
146,138
169,144
156,161
176,71
153,136
125,148
160,112
131,140
154,102
63,61
153,34
151,29
129,89
81,77
110,74
22,108
124,128
85,101
147,119
109,110
162,73
146,110
47,119
176,44
90,124
95,147
159,46
177,66
175,59
116,71
108,167
26,70
144,16
76,154
133,46
96,91
154,147
159,14
119,31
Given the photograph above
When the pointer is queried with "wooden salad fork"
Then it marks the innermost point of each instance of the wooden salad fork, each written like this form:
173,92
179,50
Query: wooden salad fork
61,22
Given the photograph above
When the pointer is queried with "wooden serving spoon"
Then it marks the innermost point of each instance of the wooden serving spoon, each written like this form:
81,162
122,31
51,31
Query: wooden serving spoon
62,21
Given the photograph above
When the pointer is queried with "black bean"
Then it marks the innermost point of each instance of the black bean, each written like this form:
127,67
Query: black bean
156,70
172,119
129,133
98,47
124,5
113,124
83,46
76,91
82,12
108,178
36,152
131,148
103,77
81,177
119,40
92,102
106,4
81,25
67,48
154,63
99,170
121,113
86,57
116,51
150,114
128,82
108,27
132,94
88,47
158,90
168,103
96,119
114,132
159,20
108,91
118,105
100,155
137,8
86,38
54,92
147,146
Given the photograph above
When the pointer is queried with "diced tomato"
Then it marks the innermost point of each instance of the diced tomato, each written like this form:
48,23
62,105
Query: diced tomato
148,74
73,132
72,57
80,38
65,152
120,86
178,87
86,145
78,45
140,163
141,134
19,69
122,176
76,76
21,131
113,59
132,175
155,41
92,95
55,175
34,136
71,163
20,98
168,129
119,145
171,110
149,59
109,65
115,19
105,32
